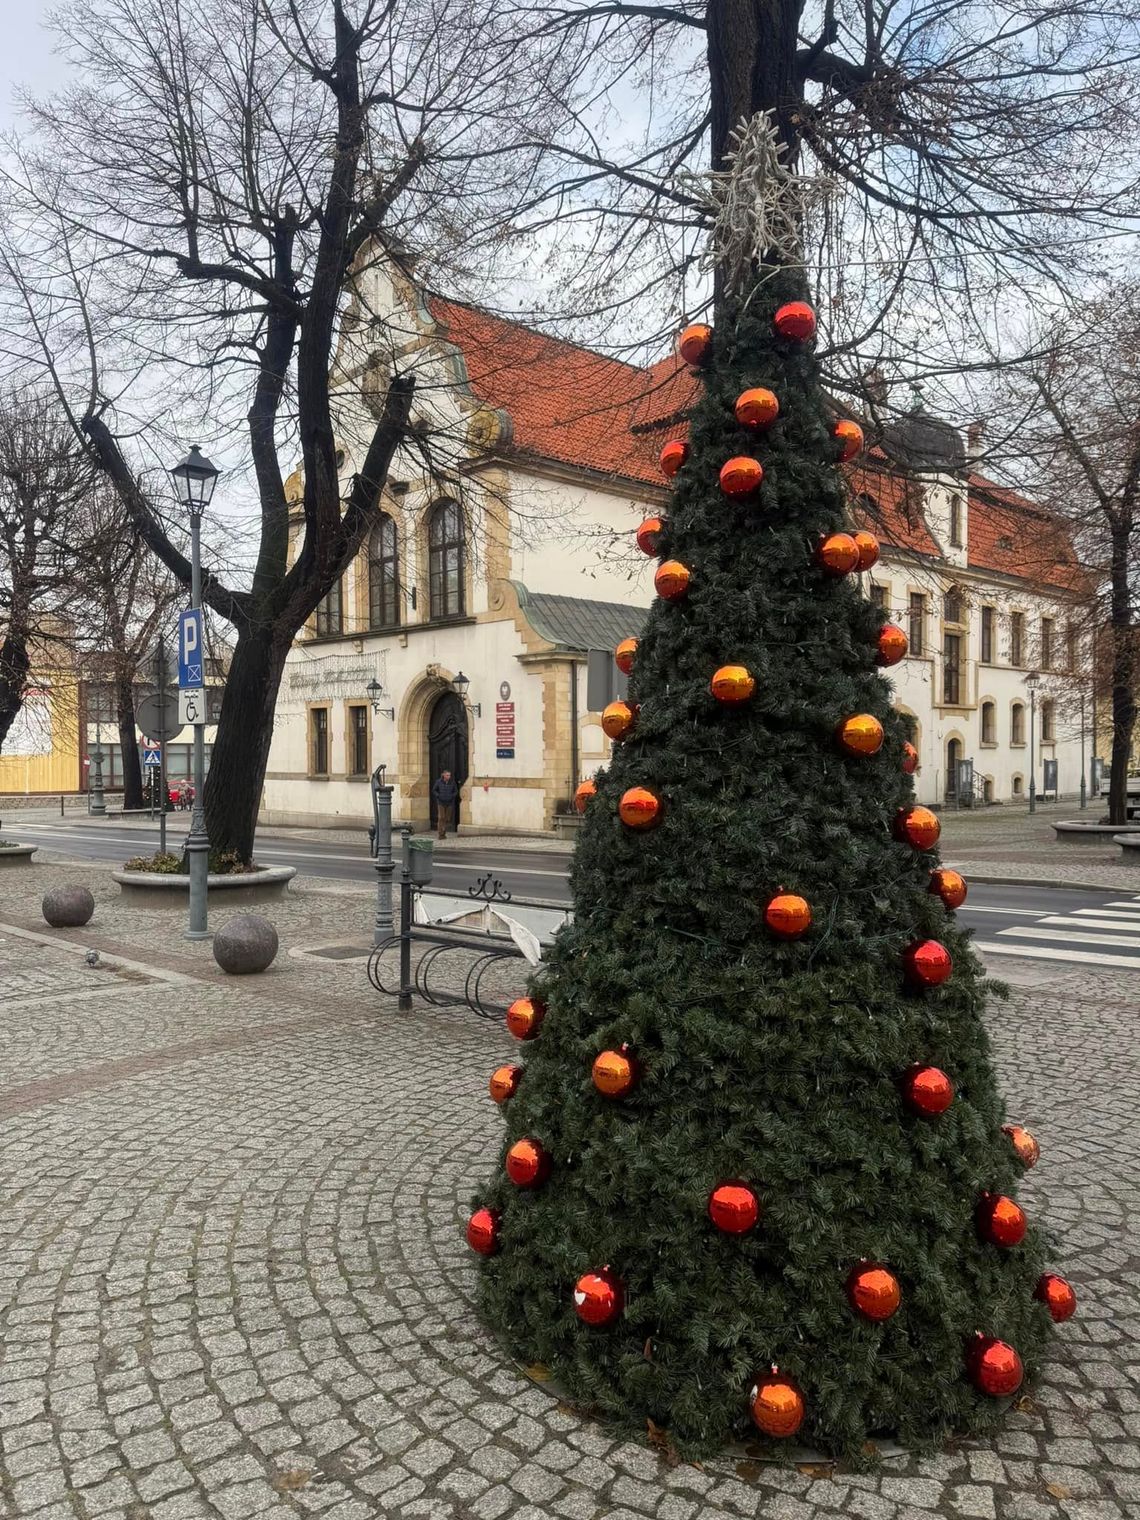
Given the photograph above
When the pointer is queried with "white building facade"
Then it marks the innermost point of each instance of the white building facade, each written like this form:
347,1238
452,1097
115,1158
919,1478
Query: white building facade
502,553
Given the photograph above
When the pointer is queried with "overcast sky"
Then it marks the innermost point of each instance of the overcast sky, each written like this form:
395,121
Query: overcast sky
26,57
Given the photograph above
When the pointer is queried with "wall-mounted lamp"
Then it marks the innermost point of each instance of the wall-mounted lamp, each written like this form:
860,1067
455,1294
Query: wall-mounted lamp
462,683
376,695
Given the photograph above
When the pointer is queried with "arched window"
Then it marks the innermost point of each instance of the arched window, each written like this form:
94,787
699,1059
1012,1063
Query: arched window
989,723
952,605
1017,723
383,575
1018,786
445,560
1048,721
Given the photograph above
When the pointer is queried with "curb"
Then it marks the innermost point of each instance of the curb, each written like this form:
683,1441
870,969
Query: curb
1037,881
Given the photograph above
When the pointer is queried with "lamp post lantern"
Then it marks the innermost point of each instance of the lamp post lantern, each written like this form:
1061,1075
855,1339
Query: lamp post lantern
194,481
1032,681
461,685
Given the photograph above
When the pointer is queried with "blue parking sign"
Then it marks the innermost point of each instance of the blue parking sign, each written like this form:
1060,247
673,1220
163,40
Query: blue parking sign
190,648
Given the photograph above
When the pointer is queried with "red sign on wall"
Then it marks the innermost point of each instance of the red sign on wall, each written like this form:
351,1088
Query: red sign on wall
504,730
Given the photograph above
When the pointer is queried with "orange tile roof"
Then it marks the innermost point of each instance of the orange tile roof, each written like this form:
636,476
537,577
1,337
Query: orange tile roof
578,407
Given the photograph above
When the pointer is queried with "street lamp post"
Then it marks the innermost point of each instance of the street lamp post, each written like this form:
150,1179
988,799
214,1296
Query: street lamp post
1084,788
194,480
98,801
1032,681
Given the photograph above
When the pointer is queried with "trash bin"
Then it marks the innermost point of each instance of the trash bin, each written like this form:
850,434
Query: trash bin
419,859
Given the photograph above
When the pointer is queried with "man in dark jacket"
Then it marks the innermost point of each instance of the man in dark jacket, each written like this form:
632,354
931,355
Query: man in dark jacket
446,795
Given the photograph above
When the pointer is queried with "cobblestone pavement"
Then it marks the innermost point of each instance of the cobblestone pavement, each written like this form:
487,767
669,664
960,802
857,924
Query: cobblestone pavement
233,1282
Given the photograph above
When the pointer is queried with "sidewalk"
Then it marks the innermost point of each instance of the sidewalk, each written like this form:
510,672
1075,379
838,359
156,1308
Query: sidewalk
235,1284
1007,845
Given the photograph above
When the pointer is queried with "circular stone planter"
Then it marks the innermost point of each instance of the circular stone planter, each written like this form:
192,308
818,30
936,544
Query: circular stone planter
17,854
252,886
1077,832
1129,848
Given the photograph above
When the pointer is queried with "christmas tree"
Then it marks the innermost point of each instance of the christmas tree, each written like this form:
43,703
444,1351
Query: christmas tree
755,1172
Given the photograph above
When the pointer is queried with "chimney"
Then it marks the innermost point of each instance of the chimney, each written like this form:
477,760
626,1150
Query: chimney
975,434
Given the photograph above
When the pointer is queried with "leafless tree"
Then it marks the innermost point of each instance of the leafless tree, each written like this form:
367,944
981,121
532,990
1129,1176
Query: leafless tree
186,228
44,479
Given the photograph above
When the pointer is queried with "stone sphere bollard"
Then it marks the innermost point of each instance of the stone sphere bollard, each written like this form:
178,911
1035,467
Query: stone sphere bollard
245,944
68,907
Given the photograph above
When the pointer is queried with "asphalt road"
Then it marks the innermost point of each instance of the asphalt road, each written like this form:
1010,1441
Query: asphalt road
1069,925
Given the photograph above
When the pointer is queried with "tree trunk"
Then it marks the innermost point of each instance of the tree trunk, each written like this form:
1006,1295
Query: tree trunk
128,743
1123,671
245,732
14,665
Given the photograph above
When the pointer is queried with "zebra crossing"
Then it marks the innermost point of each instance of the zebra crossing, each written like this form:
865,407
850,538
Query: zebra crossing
1105,935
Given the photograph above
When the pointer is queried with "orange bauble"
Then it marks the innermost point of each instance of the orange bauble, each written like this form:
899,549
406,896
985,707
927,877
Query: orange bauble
585,790
1057,1295
868,547
917,826
528,1164
649,535
757,408
732,684
873,1292
928,1090
599,1297
504,1082
910,758
741,475
1025,1146
614,1072
618,718
927,963
838,554
524,1017
673,456
672,580
892,644
734,1207
1001,1221
949,886
695,343
776,1405
483,1231
623,655
788,916
849,436
795,320
640,808
993,1366
861,734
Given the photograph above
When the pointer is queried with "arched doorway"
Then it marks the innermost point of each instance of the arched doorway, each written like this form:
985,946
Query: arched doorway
447,742
953,755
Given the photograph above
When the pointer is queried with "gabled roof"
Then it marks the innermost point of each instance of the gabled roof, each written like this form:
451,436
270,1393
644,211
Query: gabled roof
573,622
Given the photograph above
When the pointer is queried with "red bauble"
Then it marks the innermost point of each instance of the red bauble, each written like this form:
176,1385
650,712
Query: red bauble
734,1207
695,344
788,916
927,963
909,759
585,790
873,1292
599,1297
795,321
1001,1221
528,1164
640,808
917,826
623,655
741,475
776,1405
861,734
732,684
524,1017
892,644
838,554
757,408
483,1231
504,1082
849,436
993,1366
1057,1295
949,886
868,546
1025,1147
673,456
618,718
928,1090
614,1072
672,580
649,535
